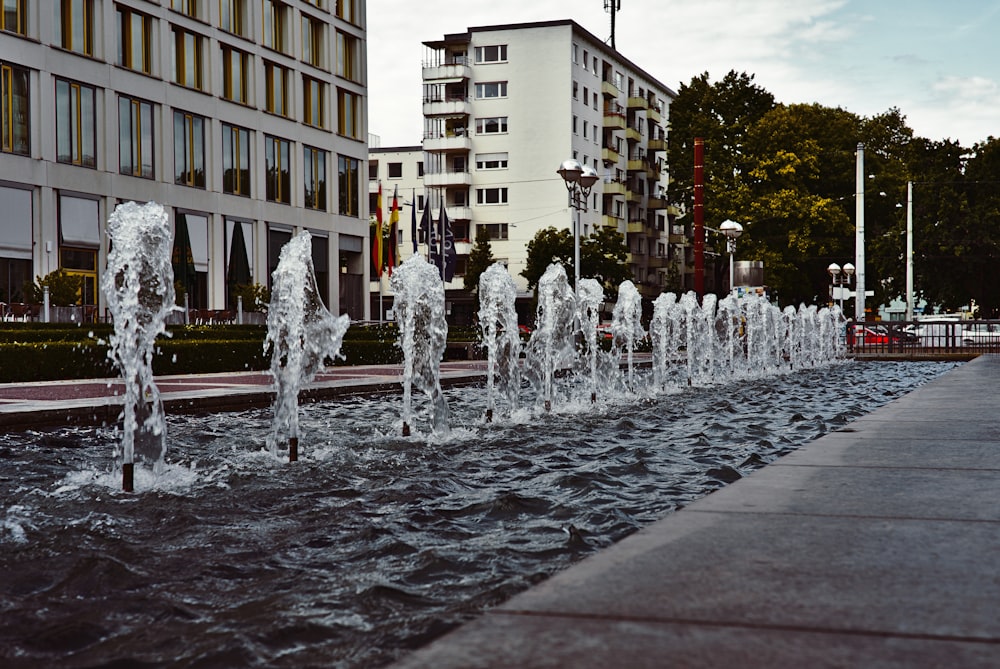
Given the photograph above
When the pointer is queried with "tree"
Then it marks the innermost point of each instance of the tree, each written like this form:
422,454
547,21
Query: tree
480,259
64,288
549,245
603,256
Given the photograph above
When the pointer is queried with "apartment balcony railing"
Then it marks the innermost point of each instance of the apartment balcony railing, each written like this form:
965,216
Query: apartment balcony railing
458,68
609,90
610,155
612,187
447,143
637,102
447,106
460,178
657,144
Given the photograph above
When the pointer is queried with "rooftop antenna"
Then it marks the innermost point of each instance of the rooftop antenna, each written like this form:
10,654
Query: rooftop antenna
612,6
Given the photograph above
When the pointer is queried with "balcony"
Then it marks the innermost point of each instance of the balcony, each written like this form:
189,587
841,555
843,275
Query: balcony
446,179
653,114
459,213
462,248
636,165
454,71
614,188
656,203
609,90
636,227
633,135
614,120
610,155
658,144
633,197
448,107
447,144
610,221
636,102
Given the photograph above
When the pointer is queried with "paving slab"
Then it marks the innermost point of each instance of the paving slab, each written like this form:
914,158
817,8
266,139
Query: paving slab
876,545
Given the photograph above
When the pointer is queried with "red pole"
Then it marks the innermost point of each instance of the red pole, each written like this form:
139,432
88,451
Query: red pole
699,216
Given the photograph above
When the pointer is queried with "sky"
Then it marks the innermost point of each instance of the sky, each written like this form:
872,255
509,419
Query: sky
938,62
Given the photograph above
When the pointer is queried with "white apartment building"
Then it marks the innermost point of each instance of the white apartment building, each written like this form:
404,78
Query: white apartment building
243,118
503,107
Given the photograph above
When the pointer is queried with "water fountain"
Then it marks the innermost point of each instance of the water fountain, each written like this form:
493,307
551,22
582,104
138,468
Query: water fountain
550,348
301,336
626,328
500,335
590,294
138,286
423,334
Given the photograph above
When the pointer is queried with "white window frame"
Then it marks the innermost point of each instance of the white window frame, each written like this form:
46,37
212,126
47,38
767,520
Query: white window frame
498,51
485,88
483,196
491,161
482,125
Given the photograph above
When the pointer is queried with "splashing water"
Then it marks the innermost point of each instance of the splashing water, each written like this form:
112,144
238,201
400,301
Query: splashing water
301,335
498,323
626,328
423,333
551,345
589,298
138,286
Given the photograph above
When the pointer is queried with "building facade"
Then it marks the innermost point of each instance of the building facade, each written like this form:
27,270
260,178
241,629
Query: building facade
504,106
245,119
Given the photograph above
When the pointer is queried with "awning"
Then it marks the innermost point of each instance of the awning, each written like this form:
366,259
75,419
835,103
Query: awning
198,229
79,222
15,223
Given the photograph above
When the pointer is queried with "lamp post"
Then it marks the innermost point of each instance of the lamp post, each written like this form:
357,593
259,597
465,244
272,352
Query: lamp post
732,230
579,180
840,276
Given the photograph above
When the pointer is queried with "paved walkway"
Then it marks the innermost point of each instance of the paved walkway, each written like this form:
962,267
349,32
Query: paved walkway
96,401
877,545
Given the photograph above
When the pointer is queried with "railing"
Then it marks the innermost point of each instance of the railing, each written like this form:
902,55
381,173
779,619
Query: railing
927,338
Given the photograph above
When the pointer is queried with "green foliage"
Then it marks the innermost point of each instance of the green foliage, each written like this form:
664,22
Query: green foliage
64,288
603,256
255,296
549,245
480,259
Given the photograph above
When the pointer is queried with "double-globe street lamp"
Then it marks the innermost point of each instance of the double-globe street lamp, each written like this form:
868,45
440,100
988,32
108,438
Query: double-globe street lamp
579,180
732,230
840,276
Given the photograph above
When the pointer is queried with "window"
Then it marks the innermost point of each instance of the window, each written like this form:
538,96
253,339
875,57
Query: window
187,59
135,38
189,149
585,135
495,230
312,102
491,89
274,24
76,124
312,41
491,161
491,54
347,10
491,195
233,16
347,56
395,170
316,3
575,124
594,66
135,137
576,90
576,53
77,24
276,89
348,184
235,160
489,126
235,74
277,158
189,7
372,170
420,168
348,123
16,109
14,17
314,176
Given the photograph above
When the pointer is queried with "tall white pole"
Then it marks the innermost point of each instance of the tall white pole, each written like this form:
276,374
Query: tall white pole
909,250
859,238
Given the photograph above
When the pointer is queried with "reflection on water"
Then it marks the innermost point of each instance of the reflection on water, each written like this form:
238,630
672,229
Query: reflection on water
372,544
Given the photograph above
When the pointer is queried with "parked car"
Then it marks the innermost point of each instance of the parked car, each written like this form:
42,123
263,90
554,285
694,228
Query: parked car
981,334
879,335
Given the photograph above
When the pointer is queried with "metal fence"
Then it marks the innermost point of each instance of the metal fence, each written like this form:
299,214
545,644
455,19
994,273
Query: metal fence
926,338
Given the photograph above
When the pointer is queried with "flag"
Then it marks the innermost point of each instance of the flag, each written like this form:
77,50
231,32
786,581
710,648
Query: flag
377,245
425,226
392,249
413,220
433,238
450,255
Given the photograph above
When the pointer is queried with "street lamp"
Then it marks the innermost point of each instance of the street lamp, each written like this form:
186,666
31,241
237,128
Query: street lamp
732,230
579,180
840,276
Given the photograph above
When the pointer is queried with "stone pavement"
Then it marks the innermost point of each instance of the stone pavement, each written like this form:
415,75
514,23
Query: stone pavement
97,401
877,545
